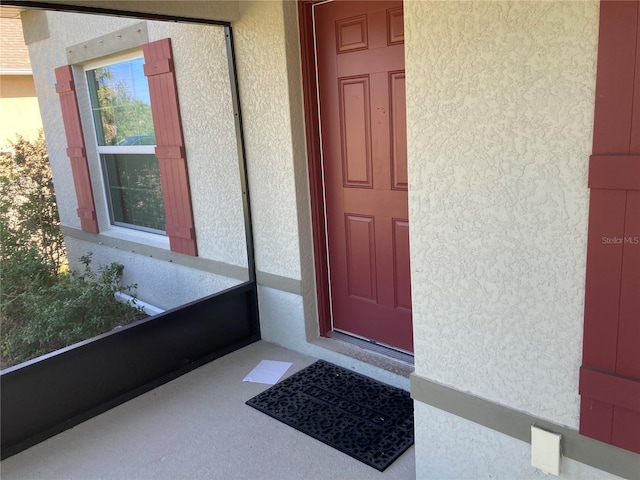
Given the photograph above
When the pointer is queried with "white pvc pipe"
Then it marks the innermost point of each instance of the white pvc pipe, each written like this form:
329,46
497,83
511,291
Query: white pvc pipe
146,307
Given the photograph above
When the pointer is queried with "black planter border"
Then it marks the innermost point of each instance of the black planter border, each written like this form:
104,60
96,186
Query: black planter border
48,395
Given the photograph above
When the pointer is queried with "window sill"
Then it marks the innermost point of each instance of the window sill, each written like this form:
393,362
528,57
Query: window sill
137,236
148,244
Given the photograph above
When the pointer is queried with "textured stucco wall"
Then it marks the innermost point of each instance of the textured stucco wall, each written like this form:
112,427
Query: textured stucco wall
500,108
208,123
202,75
269,74
264,92
450,447
161,283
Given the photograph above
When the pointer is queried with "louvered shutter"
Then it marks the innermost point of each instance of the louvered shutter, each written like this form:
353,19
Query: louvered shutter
65,87
170,146
610,373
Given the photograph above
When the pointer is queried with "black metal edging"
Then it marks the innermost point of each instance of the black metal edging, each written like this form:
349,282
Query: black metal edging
244,180
48,395
242,158
242,165
45,396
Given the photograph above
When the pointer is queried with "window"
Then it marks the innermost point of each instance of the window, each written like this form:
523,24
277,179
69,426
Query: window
135,191
121,108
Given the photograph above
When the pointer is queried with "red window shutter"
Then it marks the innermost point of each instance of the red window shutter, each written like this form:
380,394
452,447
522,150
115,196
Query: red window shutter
610,372
76,149
170,146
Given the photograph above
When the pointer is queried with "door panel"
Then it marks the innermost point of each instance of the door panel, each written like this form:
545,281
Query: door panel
398,131
395,20
401,269
356,131
351,34
361,261
360,58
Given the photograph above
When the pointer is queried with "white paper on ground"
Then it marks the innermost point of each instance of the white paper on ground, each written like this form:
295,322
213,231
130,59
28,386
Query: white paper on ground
267,371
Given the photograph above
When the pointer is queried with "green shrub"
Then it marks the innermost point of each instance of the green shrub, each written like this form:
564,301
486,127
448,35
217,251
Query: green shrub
43,305
77,306
28,210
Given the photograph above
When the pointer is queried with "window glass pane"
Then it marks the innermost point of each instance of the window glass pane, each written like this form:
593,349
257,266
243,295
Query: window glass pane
135,191
121,104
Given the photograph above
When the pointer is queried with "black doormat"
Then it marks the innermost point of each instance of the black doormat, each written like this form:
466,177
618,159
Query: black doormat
361,417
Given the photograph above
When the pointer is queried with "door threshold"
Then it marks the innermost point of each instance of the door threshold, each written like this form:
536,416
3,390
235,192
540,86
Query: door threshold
372,346
384,358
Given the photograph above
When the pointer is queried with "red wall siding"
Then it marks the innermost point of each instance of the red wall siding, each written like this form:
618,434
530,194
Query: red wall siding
65,87
610,373
170,146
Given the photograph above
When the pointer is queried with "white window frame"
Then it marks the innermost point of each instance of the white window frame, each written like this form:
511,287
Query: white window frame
132,233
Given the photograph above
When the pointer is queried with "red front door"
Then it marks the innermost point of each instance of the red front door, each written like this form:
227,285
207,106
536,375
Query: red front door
360,62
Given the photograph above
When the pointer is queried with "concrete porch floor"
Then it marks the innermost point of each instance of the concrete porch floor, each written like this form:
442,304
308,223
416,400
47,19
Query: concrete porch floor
196,426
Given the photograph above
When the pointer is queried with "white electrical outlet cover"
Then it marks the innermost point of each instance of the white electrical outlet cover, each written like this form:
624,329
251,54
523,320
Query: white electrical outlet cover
545,450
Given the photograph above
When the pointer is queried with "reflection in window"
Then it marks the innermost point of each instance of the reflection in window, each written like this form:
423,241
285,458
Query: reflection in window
133,183
121,104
